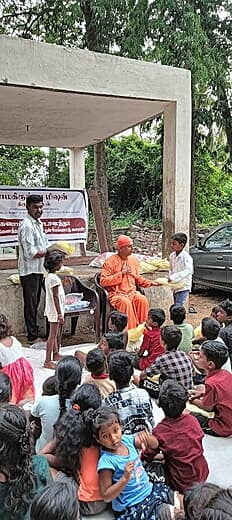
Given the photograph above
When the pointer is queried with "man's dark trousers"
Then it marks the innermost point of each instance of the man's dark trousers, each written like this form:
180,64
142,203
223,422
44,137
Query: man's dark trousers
31,284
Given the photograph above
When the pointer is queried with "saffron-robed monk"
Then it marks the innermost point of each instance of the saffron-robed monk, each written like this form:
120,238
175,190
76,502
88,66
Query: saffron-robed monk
120,276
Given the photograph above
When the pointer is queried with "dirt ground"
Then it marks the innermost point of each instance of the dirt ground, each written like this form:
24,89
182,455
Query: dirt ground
202,302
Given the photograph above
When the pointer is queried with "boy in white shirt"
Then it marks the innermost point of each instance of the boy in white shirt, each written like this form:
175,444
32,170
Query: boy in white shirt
181,268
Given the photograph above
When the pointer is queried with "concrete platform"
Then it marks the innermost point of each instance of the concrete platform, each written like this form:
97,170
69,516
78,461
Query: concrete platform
218,451
12,299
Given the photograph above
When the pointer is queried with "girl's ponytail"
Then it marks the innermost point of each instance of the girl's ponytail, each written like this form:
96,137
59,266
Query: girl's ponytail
68,377
62,393
72,436
88,419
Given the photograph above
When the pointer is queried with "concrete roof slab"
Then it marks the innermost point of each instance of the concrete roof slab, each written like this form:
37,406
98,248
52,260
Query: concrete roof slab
56,96
39,117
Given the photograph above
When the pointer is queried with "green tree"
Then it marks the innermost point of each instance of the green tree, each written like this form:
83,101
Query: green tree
22,166
140,160
213,189
194,34
58,168
187,34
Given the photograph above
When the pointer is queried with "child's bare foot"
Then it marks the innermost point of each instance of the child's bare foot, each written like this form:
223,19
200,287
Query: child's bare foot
49,364
57,356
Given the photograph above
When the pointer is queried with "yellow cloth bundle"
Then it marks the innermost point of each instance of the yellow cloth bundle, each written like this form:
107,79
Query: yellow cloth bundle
135,334
197,331
150,265
154,378
14,278
193,408
64,247
173,285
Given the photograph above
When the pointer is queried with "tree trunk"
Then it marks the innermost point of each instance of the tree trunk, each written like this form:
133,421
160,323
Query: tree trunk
100,182
51,167
192,227
100,179
225,110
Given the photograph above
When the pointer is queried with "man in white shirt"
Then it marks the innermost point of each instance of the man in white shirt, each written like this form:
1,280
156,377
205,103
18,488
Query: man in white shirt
181,268
32,249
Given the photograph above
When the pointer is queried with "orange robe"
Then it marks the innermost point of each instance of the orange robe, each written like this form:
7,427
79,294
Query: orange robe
123,295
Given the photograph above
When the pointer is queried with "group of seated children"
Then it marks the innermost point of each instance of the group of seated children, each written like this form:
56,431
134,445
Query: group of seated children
93,456
94,436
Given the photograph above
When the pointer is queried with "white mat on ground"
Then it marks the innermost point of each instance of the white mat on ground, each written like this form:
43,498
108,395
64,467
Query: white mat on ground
217,449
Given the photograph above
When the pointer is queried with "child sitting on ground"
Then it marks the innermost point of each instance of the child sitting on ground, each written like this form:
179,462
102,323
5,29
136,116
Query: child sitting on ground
5,389
173,364
151,346
198,330
14,364
210,331
49,386
109,342
224,315
133,404
123,479
181,268
178,316
179,437
207,502
74,453
216,394
22,475
46,410
57,501
118,323
97,366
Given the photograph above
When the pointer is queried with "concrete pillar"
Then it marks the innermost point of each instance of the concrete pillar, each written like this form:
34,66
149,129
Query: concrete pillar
176,170
77,168
77,181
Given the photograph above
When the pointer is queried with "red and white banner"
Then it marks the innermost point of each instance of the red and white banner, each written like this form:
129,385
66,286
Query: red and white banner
65,214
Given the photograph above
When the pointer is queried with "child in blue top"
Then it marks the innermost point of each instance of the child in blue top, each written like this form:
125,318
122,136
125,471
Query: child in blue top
123,479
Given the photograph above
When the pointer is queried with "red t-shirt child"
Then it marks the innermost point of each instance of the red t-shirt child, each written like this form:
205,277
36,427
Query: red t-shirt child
152,344
218,397
180,440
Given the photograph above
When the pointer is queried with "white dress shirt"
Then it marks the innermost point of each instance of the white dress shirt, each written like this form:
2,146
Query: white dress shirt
32,239
181,269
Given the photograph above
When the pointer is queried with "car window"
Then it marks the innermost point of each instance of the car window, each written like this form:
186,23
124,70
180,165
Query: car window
221,238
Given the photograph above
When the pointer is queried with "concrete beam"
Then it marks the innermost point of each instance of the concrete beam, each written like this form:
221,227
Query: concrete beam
50,66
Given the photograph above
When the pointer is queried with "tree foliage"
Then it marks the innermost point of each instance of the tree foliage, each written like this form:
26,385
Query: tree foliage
22,166
134,170
194,34
213,189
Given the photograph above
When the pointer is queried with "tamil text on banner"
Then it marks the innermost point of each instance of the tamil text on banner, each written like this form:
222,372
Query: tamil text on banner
65,214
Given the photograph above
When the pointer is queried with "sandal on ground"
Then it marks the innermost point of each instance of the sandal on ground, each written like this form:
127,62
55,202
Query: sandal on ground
50,364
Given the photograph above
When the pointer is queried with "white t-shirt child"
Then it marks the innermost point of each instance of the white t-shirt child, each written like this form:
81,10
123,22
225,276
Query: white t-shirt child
51,281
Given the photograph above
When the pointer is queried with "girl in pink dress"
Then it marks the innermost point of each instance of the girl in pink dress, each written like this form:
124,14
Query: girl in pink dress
15,365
